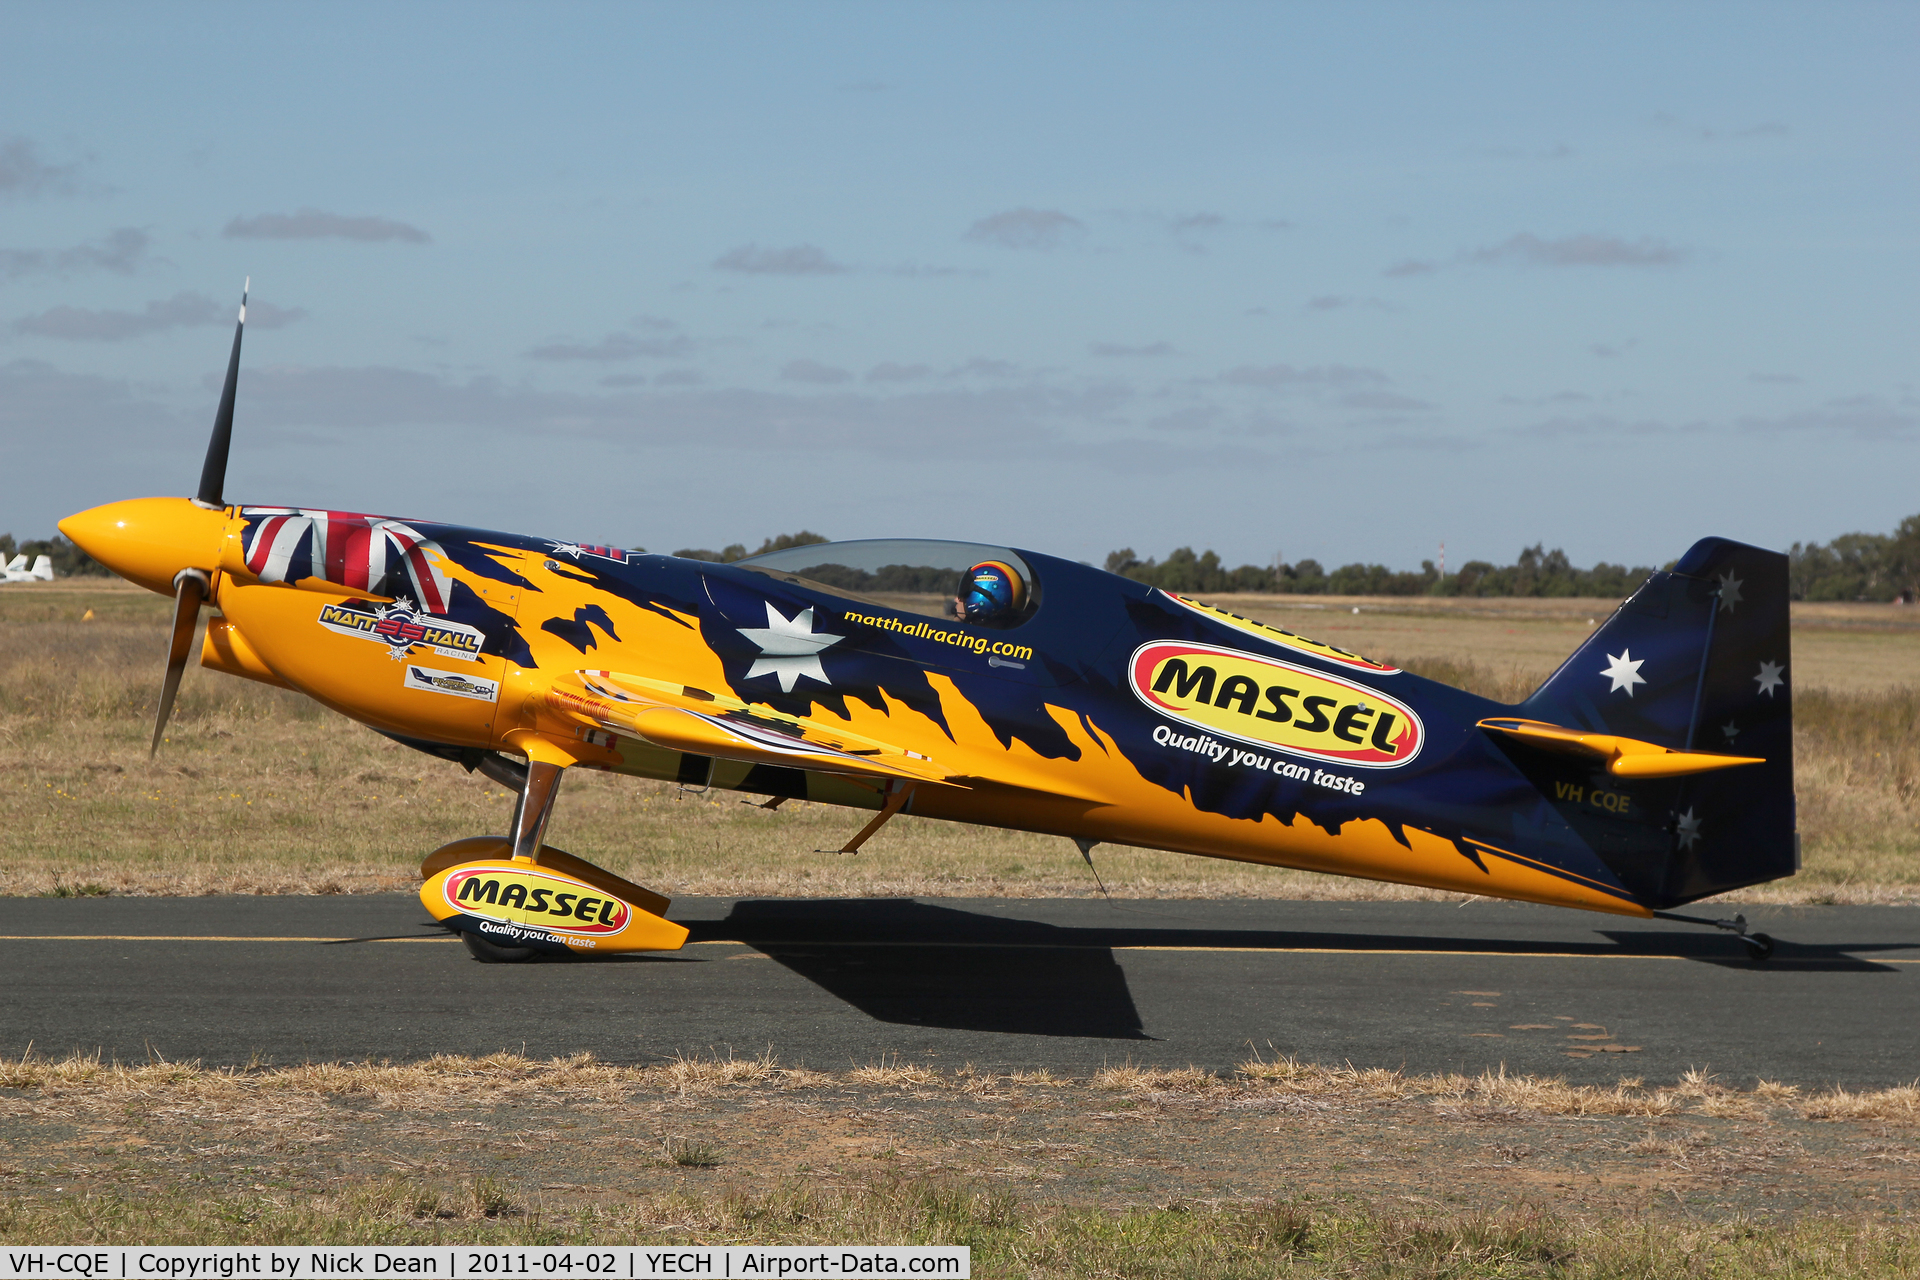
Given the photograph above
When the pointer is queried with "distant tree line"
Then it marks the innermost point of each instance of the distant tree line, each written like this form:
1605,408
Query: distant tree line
738,550
68,560
1859,566
1854,566
1537,572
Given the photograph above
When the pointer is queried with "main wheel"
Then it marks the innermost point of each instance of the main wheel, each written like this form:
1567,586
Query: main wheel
489,952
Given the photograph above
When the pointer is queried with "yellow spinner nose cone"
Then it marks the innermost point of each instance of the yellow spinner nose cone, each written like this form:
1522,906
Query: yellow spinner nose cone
150,540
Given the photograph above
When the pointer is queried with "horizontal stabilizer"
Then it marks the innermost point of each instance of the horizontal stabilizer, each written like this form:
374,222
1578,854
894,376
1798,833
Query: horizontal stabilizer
1624,757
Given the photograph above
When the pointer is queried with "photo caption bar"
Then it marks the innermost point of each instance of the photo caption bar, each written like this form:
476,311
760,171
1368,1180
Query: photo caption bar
458,1262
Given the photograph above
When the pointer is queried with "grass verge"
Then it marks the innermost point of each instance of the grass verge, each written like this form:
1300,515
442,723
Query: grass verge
1279,1168
1013,1239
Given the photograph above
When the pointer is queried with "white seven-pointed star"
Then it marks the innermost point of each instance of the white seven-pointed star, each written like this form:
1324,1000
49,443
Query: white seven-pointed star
1625,672
789,648
1729,591
1770,677
1731,729
1688,829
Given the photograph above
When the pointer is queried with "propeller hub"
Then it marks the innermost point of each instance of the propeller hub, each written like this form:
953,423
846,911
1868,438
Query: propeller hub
150,540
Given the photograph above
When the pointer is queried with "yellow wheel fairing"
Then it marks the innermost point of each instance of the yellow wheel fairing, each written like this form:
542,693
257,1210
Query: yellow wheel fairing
520,904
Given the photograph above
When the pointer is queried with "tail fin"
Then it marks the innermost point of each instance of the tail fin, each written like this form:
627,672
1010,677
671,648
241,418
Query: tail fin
43,568
1696,660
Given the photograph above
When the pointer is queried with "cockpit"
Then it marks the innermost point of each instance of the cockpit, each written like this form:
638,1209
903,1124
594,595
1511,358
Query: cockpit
975,583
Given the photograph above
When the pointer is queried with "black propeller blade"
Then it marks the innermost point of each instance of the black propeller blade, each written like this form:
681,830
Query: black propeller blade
188,595
190,587
213,474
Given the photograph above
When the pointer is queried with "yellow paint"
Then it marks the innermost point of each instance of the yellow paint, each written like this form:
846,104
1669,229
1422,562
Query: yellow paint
149,540
225,649
560,907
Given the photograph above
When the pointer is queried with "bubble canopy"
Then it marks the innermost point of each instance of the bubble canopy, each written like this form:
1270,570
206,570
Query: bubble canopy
886,564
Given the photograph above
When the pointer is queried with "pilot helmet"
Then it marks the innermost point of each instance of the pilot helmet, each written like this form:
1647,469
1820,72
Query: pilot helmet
991,589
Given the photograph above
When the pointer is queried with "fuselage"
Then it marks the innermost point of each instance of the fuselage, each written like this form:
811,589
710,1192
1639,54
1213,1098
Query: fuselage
1107,711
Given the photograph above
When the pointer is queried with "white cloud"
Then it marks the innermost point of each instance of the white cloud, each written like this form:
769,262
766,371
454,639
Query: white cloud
615,346
1196,222
982,368
1384,402
795,260
1025,228
1861,417
1118,349
77,324
1407,267
122,251
1286,375
24,173
314,224
1530,250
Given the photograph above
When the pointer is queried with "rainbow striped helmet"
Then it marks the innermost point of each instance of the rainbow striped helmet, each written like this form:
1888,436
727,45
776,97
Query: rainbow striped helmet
991,589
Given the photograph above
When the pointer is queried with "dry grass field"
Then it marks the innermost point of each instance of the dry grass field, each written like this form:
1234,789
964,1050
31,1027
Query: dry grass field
261,791
1279,1168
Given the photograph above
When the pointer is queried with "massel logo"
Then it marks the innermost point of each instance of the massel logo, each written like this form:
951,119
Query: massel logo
1275,704
1274,635
531,897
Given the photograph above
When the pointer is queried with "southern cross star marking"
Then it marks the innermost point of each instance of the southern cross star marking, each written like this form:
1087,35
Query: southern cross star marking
1771,677
789,648
1731,730
1729,591
1688,829
1624,672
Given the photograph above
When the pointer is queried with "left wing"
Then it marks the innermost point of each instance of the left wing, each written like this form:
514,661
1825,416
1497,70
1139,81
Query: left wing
668,716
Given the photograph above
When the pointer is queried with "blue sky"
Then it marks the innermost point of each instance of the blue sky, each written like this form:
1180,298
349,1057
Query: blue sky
1339,281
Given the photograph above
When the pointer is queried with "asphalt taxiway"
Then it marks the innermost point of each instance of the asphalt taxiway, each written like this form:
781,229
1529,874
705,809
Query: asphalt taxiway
1001,983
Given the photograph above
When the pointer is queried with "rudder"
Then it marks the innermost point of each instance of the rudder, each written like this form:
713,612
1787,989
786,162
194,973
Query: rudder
1698,659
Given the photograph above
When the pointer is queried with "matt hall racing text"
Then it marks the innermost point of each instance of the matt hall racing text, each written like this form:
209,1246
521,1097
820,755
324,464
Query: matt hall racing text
940,635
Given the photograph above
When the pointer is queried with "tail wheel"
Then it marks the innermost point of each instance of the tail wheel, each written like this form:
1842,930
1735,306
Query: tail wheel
1759,946
488,952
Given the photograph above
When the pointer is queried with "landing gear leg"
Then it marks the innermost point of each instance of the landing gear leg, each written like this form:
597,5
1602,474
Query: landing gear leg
530,814
1759,945
535,807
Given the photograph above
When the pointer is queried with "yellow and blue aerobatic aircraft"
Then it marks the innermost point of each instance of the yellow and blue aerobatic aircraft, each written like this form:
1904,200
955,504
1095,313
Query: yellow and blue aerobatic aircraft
1652,769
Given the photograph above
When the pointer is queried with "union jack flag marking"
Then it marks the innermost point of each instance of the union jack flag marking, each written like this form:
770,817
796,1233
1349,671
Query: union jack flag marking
286,544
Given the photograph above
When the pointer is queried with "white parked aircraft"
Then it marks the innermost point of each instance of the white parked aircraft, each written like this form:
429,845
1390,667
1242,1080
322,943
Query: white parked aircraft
17,571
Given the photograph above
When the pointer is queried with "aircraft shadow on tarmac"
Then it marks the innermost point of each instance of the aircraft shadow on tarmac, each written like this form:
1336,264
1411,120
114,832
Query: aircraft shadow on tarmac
907,962
1722,949
913,963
